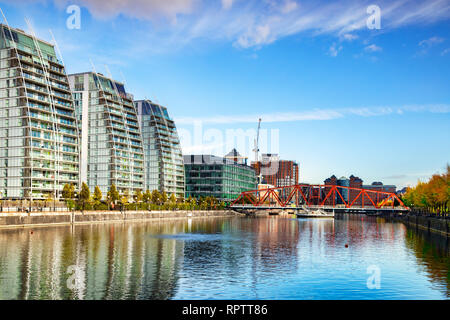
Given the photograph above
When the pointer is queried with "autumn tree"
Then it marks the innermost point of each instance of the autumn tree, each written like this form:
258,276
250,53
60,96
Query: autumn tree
156,197
84,195
112,195
97,197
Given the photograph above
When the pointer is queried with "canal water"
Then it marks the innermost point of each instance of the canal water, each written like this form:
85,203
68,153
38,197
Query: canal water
355,257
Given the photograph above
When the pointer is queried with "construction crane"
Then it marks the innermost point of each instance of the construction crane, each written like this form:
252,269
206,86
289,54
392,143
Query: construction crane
256,150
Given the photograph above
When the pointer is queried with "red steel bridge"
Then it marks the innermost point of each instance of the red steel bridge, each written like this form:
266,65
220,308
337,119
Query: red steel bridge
326,197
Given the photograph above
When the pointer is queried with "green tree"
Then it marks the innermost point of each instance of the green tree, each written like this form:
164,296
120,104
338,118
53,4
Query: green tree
147,197
124,199
192,203
97,197
163,197
112,195
68,192
172,201
84,195
137,197
156,196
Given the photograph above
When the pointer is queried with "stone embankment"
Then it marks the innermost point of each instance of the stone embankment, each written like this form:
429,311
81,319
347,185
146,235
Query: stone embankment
9,220
431,224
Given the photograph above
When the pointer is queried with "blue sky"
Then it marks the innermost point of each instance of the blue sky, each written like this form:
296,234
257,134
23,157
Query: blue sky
341,98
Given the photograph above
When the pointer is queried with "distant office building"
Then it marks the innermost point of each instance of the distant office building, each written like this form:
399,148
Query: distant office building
163,167
355,182
350,196
111,141
276,172
262,190
235,156
38,130
378,186
402,191
225,179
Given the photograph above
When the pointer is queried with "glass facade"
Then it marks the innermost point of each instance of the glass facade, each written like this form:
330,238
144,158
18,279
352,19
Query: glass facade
164,170
223,179
39,150
111,141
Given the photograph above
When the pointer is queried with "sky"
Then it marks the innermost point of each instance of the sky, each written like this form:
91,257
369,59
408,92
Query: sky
340,89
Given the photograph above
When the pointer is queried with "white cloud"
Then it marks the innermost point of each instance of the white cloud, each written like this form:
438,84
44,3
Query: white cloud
227,4
319,114
289,6
253,23
373,48
431,42
348,37
445,51
255,37
141,9
334,51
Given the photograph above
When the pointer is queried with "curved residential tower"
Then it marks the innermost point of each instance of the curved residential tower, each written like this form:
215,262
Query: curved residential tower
164,169
38,130
111,141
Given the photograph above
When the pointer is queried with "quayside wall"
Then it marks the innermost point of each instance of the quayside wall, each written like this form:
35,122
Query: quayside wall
8,220
431,224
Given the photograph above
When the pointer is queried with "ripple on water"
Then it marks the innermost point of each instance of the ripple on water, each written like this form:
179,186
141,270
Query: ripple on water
200,237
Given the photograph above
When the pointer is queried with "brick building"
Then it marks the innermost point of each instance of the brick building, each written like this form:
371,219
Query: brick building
349,195
276,172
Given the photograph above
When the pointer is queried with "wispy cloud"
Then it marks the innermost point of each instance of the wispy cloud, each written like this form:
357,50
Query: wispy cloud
427,44
431,41
255,23
348,37
318,114
445,51
373,48
140,9
334,50
227,4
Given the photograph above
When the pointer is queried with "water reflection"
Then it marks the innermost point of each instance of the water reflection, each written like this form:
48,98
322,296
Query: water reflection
224,258
433,254
115,261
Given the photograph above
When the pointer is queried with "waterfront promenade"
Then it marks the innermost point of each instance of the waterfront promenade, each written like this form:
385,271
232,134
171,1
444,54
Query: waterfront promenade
12,220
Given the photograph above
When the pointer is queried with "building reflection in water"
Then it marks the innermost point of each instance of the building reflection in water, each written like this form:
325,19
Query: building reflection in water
220,258
114,261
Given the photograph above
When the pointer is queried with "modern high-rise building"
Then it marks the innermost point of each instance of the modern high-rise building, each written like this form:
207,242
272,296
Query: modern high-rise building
163,167
111,141
39,150
222,178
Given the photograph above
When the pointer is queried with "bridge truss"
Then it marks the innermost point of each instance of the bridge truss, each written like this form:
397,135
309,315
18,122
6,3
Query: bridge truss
326,196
